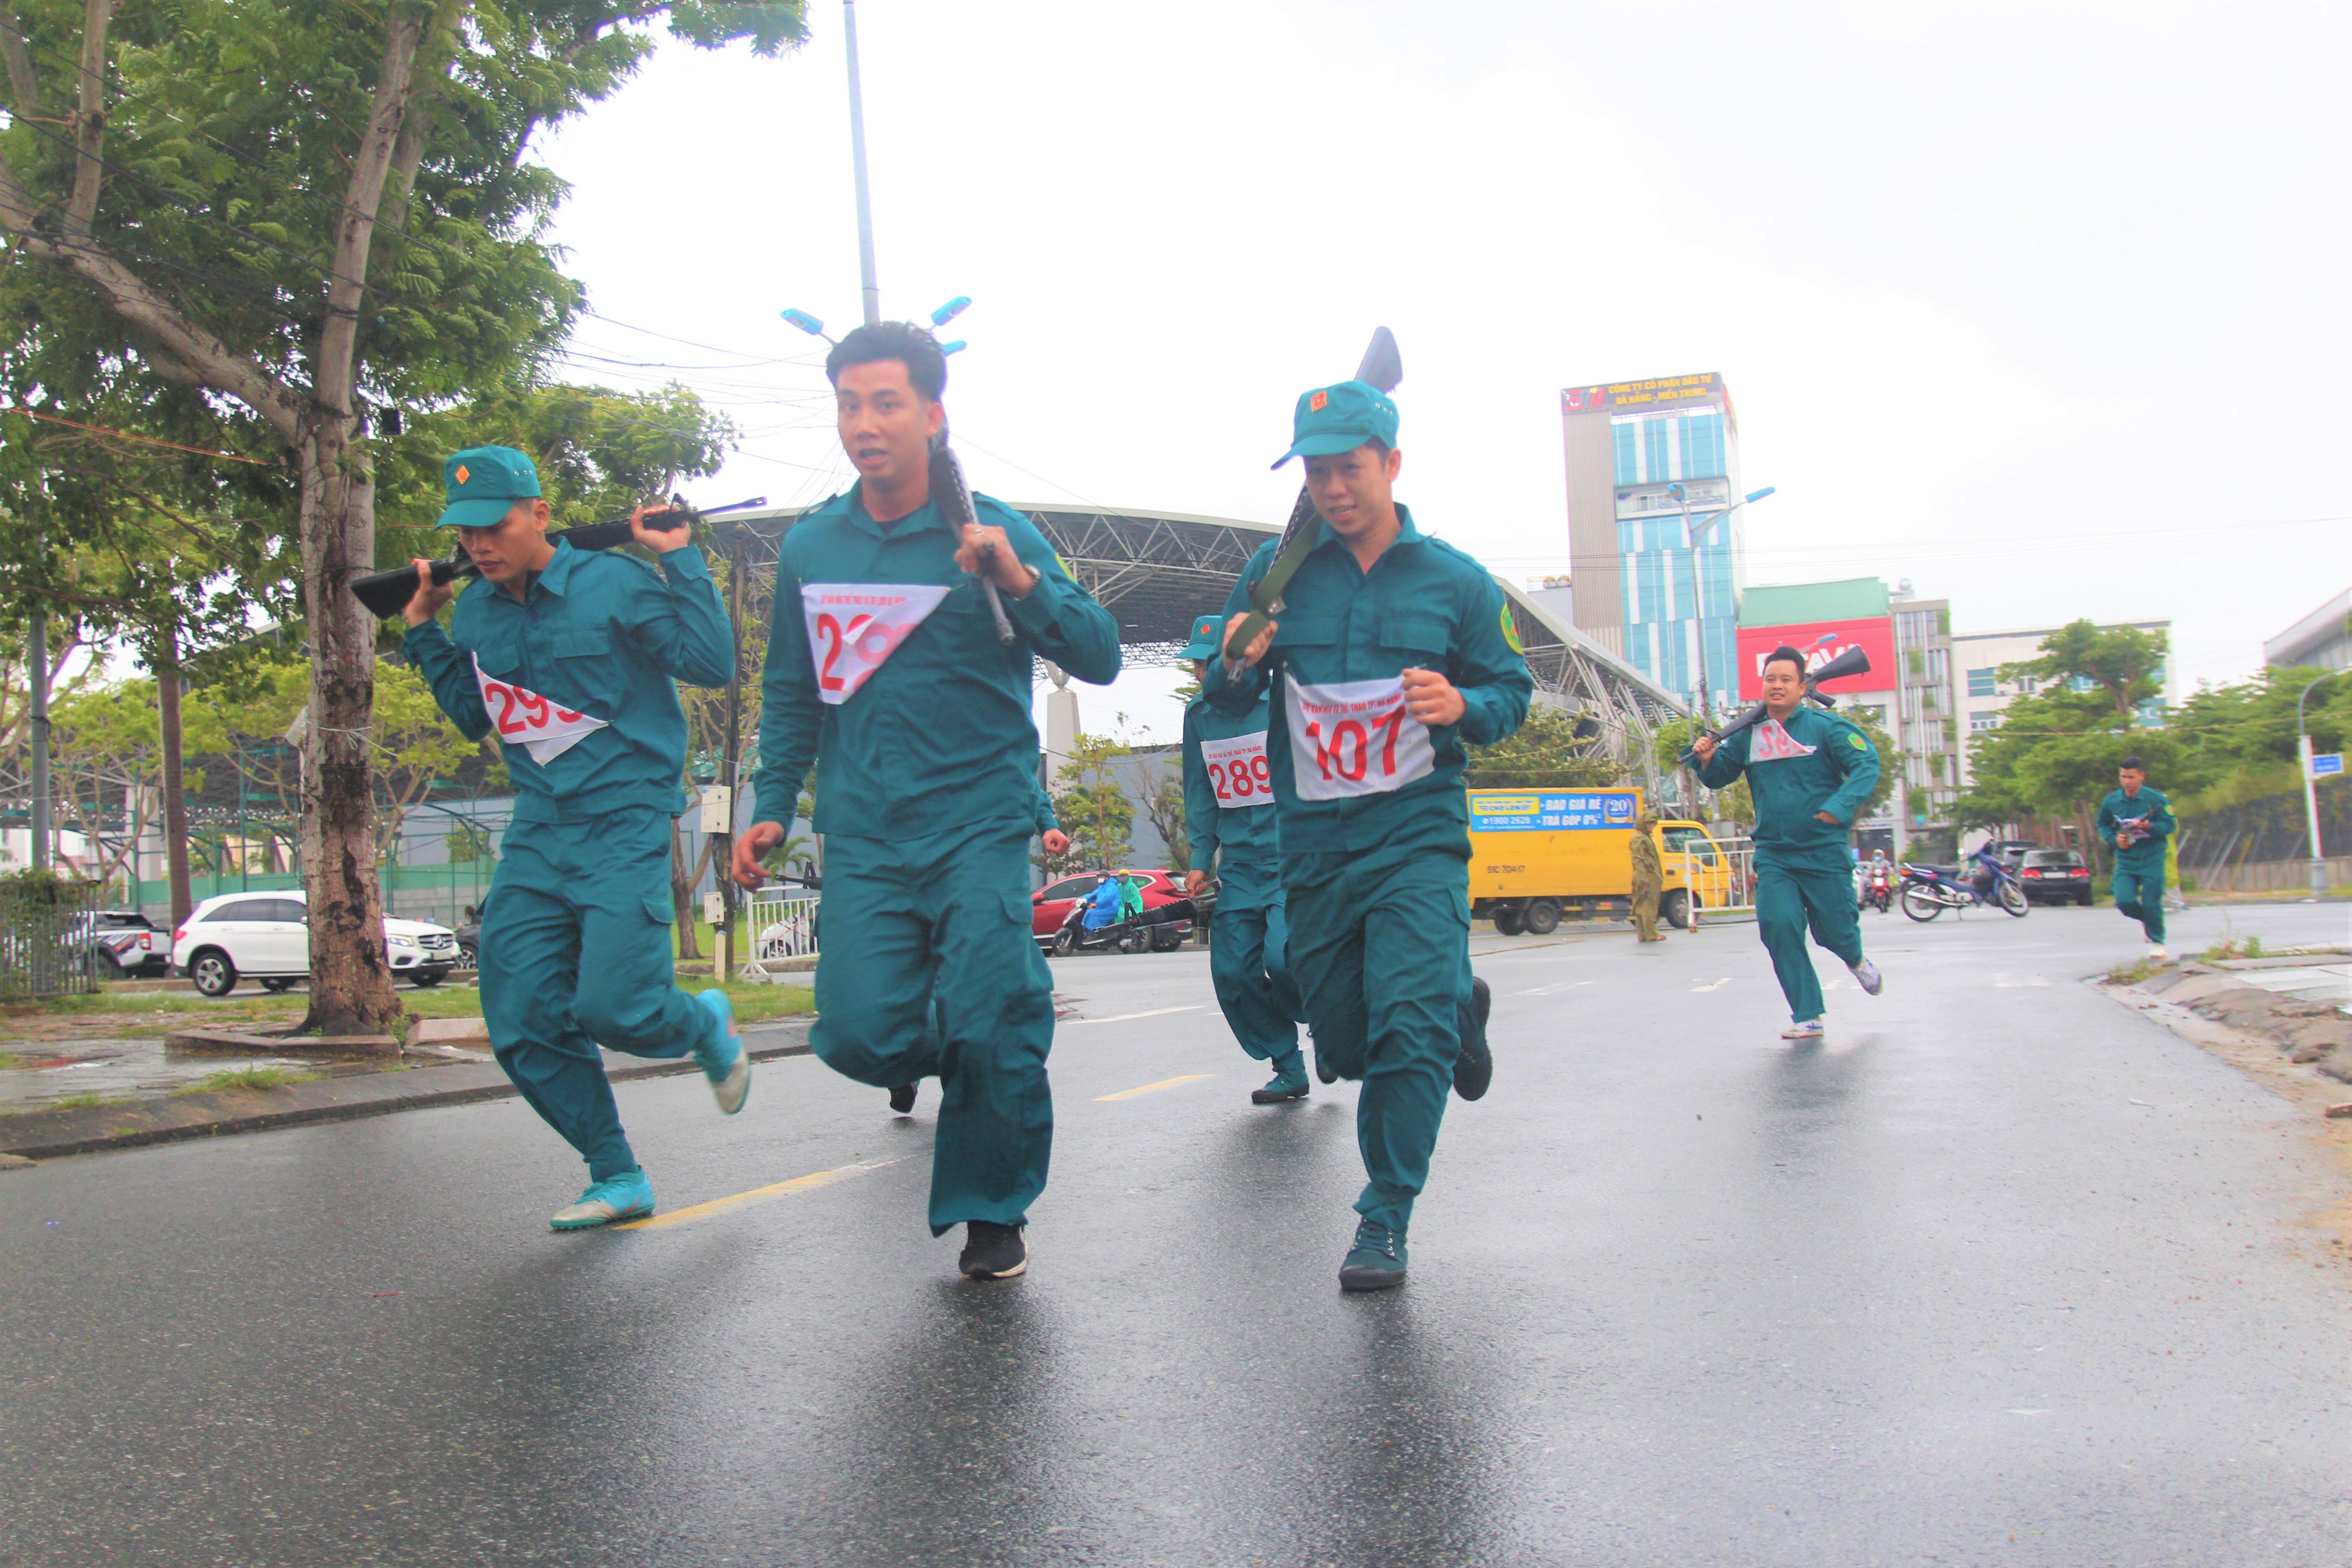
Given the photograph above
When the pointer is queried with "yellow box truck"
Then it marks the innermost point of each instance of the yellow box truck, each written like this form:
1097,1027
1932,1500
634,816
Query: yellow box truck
1538,854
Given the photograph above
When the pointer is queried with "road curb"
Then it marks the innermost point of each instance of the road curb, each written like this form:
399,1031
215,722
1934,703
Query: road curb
86,1129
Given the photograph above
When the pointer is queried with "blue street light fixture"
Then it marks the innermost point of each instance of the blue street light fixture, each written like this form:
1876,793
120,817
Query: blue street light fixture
806,323
951,310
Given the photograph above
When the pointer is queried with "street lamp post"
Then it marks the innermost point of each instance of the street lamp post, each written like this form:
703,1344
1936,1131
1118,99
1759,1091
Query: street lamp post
2311,790
1693,535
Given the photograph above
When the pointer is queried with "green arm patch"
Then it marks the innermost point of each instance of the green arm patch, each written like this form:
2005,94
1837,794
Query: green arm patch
1511,631
1858,744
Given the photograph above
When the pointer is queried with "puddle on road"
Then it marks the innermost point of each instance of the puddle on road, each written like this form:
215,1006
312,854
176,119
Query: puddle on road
41,1074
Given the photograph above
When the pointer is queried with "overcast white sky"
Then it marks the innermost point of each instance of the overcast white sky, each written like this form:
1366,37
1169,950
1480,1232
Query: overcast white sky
2042,306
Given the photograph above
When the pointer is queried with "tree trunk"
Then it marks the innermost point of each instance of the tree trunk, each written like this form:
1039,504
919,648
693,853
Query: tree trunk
175,800
681,895
350,984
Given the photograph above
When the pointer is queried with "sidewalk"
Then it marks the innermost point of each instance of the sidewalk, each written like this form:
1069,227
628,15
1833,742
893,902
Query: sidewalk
84,1129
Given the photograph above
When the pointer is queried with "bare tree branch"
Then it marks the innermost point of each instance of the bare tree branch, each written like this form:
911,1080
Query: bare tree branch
89,120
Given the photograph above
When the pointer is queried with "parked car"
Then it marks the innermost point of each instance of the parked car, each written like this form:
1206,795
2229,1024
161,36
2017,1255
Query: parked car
2012,851
470,943
1167,909
267,937
2056,875
119,944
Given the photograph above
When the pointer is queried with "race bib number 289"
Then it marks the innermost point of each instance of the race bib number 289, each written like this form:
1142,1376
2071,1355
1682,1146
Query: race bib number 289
1237,771
1355,738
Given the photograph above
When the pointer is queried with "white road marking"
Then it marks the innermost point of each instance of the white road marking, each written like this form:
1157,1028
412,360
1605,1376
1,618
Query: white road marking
1123,1017
1548,990
1718,985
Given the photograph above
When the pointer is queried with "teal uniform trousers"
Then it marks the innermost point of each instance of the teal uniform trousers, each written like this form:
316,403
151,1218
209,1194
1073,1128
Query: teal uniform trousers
577,952
910,919
1800,888
1249,963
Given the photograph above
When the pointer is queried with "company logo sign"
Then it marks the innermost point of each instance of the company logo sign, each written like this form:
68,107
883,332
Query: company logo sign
1874,635
1500,811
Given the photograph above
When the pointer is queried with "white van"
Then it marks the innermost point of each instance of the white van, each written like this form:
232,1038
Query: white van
267,937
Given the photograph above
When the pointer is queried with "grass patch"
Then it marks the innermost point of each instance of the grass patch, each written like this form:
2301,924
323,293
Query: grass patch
2132,973
82,1102
2235,947
248,1078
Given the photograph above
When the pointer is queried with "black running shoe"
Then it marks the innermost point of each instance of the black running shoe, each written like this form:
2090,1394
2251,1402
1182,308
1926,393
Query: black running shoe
992,1251
902,1099
1474,1069
1323,1070
1376,1262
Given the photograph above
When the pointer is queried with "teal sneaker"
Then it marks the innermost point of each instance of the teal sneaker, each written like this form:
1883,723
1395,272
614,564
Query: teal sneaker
1377,1261
722,1053
615,1198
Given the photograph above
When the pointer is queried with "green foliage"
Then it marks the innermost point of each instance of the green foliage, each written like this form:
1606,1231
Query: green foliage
469,843
248,1078
1091,807
1554,749
2121,661
1164,809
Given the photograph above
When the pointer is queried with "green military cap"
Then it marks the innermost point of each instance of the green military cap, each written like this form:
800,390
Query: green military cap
1331,419
1205,642
482,484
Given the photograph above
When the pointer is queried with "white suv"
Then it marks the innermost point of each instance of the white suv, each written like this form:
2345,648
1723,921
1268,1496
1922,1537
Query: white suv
267,937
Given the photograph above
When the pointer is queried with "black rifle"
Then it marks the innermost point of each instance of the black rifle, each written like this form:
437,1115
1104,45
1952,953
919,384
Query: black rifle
954,496
1382,366
1852,662
387,593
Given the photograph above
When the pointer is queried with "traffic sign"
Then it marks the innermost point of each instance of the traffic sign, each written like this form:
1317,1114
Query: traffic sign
2327,764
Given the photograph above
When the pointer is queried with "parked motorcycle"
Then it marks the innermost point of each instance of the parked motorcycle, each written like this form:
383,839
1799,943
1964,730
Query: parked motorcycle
1929,890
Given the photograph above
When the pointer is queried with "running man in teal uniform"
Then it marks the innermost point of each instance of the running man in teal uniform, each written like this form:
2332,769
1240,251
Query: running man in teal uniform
572,656
884,668
1229,825
2136,822
1394,650
1808,771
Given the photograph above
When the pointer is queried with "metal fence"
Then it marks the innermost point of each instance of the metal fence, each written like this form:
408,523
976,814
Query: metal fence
781,927
46,937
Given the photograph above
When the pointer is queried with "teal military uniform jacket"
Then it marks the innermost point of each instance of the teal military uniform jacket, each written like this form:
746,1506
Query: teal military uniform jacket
599,632
1808,763
939,735
2149,806
1423,605
1245,833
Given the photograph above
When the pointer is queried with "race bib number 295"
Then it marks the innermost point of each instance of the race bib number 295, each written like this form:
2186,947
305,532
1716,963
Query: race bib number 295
1355,738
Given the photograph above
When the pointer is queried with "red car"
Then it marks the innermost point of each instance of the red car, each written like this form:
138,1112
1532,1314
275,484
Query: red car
1165,906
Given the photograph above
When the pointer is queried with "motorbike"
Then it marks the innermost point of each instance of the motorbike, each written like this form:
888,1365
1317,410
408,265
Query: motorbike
1878,887
1929,890
1118,936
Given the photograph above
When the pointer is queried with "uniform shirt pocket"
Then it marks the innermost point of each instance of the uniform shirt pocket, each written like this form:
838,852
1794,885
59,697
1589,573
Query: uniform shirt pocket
1414,634
583,670
496,648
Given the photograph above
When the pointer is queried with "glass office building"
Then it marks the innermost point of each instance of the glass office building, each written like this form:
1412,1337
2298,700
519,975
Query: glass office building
1638,453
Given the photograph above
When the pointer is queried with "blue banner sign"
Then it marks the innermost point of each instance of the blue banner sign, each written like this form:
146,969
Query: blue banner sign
1545,811
2327,764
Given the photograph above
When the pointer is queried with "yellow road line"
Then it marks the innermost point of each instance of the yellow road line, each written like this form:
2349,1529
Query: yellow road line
1150,1088
778,1190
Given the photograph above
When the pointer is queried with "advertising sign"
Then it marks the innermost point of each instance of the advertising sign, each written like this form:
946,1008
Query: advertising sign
2327,764
1874,635
1550,811
1633,396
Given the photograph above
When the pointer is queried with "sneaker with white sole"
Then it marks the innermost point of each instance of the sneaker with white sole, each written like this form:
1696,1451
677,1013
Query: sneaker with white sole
721,1054
1810,1029
615,1198
1866,976
992,1251
2157,953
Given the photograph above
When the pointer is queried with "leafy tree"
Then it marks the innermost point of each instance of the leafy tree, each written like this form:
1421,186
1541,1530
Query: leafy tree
1091,807
106,767
1554,749
2121,661
289,214
1163,807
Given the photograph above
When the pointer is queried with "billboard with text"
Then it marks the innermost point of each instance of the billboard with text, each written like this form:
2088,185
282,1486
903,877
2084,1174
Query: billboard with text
1874,635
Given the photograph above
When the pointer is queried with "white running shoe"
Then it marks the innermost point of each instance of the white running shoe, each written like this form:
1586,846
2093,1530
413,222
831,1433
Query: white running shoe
1810,1030
2156,951
1866,976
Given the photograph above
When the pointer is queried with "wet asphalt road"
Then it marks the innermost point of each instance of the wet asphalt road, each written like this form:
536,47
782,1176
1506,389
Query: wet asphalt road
2001,1274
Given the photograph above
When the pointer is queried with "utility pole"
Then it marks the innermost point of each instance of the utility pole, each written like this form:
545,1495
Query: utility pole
871,288
36,658
2311,791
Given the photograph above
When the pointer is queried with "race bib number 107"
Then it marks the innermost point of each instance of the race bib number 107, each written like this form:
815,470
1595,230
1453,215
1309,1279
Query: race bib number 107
1237,771
1355,738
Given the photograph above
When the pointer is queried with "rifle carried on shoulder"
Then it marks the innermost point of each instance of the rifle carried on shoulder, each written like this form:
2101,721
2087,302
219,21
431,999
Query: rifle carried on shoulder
1382,366
1852,662
386,594
954,499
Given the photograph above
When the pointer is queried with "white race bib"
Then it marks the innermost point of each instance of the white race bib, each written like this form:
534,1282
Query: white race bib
1771,743
854,626
1355,738
522,717
1237,771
